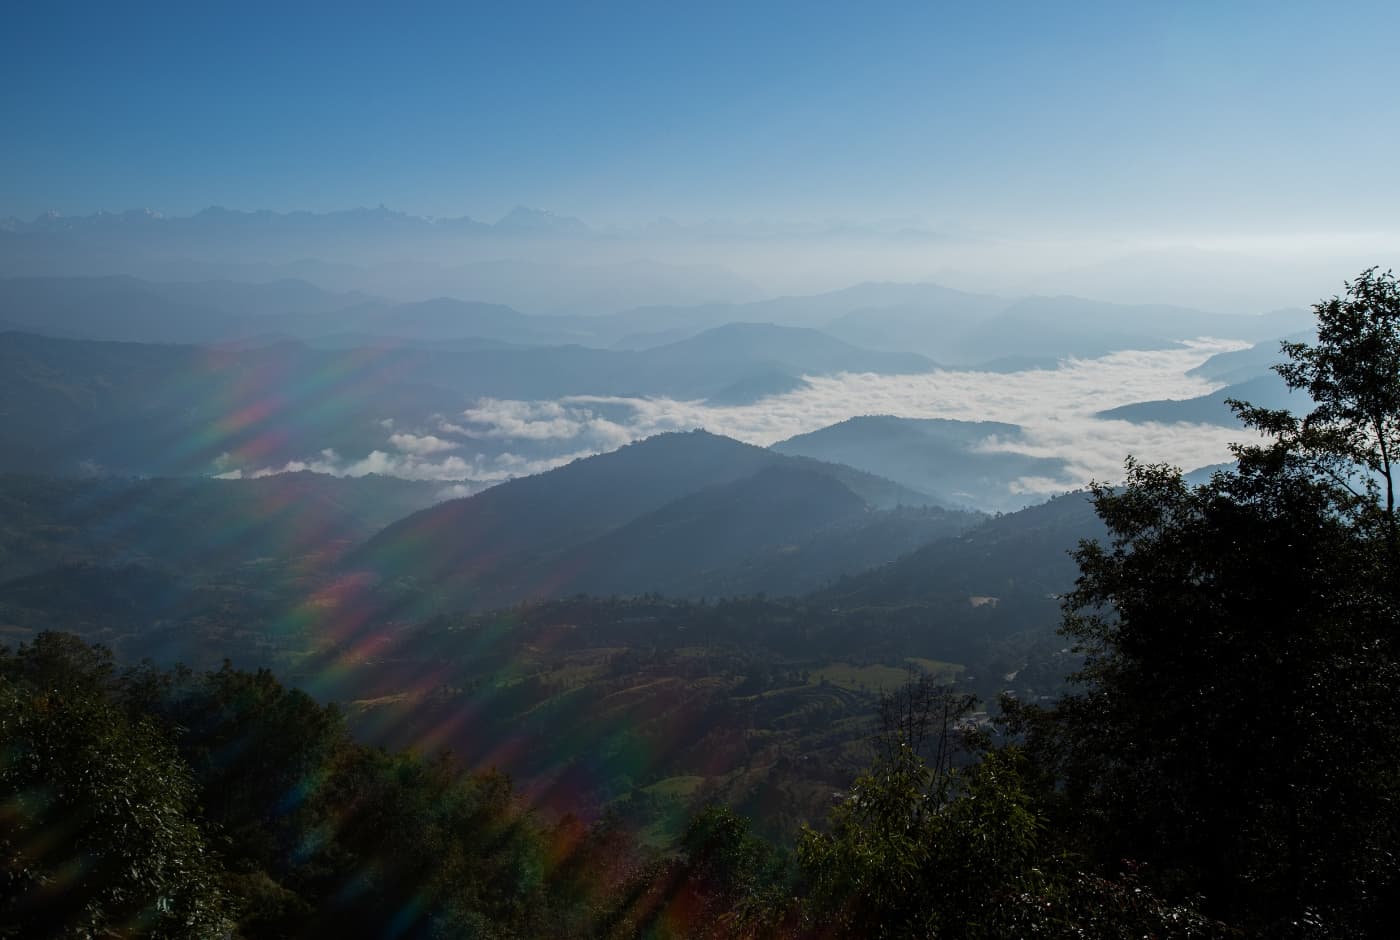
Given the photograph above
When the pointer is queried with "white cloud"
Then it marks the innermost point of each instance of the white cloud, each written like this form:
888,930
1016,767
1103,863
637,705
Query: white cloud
425,444
565,420
480,469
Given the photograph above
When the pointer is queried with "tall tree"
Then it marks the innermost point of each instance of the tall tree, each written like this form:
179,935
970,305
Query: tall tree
1236,726
1238,707
1352,374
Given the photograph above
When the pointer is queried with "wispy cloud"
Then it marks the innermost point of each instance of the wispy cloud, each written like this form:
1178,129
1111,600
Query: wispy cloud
479,469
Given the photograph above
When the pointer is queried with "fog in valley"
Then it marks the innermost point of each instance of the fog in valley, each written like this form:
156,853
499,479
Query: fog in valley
539,339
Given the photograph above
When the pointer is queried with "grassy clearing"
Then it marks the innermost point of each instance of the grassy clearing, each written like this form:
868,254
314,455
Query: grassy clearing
366,704
676,787
939,670
882,678
860,678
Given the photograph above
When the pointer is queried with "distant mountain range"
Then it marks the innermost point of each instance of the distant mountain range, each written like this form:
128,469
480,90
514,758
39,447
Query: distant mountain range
527,259
1039,331
964,330
544,262
520,220
950,327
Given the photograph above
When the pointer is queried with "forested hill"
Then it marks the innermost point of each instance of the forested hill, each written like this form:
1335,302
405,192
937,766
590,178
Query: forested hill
693,513
1022,555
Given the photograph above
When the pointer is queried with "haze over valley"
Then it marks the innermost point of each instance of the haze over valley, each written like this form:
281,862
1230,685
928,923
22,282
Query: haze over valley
472,393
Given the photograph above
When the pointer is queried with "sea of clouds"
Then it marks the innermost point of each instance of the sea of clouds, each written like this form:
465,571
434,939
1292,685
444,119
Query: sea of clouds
497,439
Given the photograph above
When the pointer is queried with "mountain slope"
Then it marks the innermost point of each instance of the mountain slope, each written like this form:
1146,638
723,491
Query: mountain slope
692,543
786,530
667,512
800,349
936,456
1023,554
990,594
474,539
1242,364
149,409
194,524
1265,391
133,310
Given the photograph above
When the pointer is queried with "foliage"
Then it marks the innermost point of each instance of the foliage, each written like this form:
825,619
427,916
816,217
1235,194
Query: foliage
174,803
99,832
919,850
1238,713
1352,374
938,849
1237,723
302,832
726,883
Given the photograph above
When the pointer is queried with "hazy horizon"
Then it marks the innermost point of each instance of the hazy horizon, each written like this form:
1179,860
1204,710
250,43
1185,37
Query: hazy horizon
1010,150
764,259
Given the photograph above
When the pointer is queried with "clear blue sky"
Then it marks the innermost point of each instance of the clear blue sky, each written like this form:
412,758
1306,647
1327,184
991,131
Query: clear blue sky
1078,116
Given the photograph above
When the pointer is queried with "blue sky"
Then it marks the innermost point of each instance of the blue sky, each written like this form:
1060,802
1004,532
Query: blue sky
1117,117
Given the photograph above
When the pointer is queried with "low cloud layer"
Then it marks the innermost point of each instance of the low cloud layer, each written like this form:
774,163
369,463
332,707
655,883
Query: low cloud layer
567,420
1055,407
478,469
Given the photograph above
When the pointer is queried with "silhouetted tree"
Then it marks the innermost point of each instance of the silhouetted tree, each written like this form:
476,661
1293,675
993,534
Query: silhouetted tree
1352,374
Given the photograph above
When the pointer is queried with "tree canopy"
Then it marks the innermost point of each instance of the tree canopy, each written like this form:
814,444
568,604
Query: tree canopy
1236,724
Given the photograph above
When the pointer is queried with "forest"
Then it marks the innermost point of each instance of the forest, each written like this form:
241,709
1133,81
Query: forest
1220,762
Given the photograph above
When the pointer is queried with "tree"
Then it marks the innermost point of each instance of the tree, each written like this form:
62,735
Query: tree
98,835
925,717
1237,721
1238,708
739,881
1236,726
919,849
1352,374
960,849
